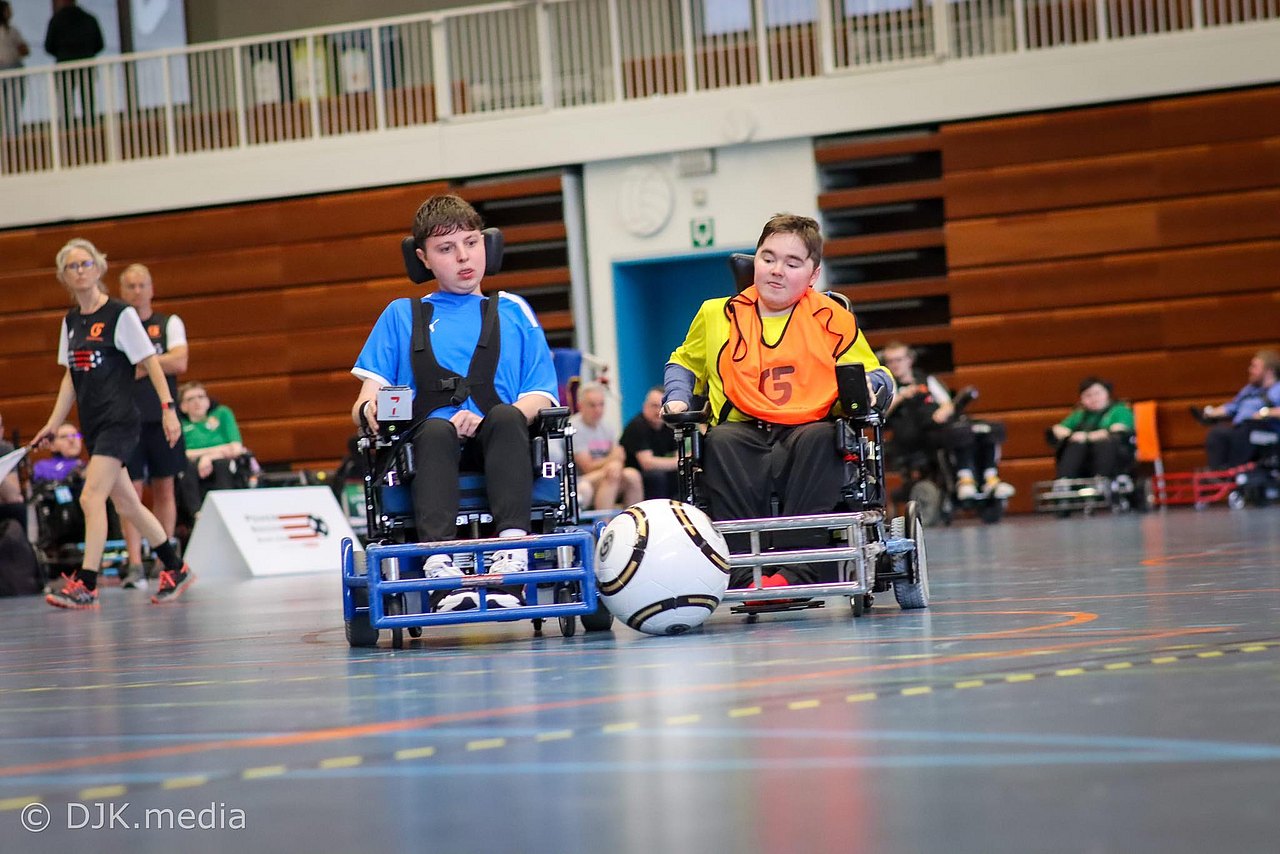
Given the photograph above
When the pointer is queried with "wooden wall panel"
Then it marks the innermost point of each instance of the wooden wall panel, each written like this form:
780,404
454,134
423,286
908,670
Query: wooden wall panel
1121,328
1100,131
1111,229
1195,170
1227,268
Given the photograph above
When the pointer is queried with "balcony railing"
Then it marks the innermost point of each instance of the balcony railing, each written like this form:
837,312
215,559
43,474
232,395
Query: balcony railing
503,58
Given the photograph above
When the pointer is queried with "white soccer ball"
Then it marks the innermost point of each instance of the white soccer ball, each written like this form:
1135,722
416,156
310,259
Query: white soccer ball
662,567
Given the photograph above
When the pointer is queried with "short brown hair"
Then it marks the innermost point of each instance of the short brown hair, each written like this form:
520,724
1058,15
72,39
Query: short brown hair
444,214
806,228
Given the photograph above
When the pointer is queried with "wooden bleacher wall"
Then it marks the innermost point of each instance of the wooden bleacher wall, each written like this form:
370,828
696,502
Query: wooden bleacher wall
277,298
1137,242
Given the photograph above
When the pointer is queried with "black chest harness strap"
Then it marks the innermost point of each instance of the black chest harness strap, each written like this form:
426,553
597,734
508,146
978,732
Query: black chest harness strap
438,387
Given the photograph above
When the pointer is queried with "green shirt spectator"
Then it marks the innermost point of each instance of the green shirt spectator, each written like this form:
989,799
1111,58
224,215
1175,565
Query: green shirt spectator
210,434
218,428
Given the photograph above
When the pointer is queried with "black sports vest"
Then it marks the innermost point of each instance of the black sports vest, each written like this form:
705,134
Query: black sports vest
919,408
157,326
437,387
101,374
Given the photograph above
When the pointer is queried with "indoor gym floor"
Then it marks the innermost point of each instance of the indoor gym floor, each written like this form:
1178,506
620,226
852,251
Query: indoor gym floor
1100,684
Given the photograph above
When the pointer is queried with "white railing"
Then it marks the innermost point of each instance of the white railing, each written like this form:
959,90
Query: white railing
505,57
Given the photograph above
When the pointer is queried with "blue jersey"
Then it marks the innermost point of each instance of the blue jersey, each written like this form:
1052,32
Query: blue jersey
524,363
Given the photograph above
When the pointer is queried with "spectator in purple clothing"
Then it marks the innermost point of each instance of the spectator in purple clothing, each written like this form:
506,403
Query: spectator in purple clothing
65,461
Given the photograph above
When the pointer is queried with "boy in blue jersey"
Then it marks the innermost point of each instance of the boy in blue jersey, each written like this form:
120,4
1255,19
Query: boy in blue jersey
481,370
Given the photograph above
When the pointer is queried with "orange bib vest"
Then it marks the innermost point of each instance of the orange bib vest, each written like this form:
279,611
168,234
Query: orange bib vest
794,380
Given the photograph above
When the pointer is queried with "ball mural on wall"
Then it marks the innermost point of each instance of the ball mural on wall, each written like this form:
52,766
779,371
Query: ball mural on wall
646,200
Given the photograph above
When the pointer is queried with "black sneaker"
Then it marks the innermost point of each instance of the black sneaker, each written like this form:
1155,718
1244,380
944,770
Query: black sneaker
458,600
74,596
135,578
173,584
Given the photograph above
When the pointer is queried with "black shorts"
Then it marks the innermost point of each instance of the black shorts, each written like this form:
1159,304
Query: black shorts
116,440
153,457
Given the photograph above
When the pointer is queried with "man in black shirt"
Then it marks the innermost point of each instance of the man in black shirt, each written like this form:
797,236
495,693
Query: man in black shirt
154,460
651,447
74,34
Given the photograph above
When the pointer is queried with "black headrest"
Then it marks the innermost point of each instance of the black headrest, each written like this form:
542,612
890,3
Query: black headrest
418,272
744,270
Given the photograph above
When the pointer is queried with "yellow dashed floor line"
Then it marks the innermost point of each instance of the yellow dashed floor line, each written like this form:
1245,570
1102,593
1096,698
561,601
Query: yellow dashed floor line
1188,653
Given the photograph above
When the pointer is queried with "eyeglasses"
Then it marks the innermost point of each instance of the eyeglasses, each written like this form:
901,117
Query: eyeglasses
75,267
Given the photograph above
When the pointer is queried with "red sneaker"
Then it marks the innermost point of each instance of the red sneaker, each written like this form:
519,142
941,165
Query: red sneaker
173,584
74,596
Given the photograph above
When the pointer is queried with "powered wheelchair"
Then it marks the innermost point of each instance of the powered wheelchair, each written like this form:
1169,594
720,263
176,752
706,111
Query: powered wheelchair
929,474
385,587
867,552
60,528
1256,482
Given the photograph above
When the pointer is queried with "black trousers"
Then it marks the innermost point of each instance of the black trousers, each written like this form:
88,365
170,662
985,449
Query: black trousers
500,449
1088,459
743,465
1228,445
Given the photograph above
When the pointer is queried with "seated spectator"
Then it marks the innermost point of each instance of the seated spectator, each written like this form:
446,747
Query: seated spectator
65,460
923,418
1094,440
1228,445
650,446
211,436
12,505
602,473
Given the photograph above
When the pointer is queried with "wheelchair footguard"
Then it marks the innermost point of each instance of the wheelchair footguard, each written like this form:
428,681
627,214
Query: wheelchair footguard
870,558
1087,495
384,587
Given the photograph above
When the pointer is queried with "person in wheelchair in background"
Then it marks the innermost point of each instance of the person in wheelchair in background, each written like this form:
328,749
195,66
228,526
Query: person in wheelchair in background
927,422
481,370
766,361
1096,437
1234,424
216,455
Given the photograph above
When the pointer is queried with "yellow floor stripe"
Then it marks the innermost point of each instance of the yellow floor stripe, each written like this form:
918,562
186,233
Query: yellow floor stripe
803,704
415,753
1165,659
1118,665
680,720
860,698
745,711
102,792
189,683
1069,671
1253,648
262,771
1019,677
620,727
1214,654
971,683
184,782
486,743
554,735
919,689
341,762
18,803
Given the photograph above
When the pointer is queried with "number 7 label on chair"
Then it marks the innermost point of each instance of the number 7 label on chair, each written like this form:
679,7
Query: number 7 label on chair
395,403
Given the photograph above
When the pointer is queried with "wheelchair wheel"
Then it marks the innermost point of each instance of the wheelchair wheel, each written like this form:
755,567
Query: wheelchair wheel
599,621
395,607
928,498
912,592
991,512
360,632
568,625
858,604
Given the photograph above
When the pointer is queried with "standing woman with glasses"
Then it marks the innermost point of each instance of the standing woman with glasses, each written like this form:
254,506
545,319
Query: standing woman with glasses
101,341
